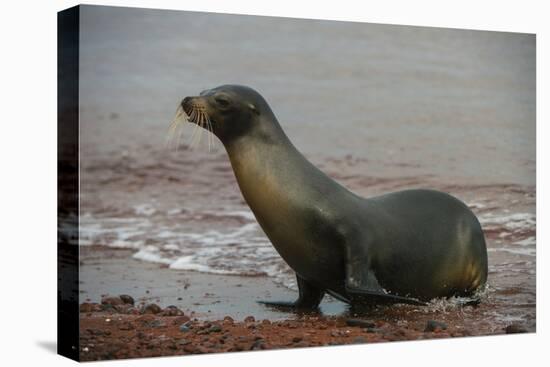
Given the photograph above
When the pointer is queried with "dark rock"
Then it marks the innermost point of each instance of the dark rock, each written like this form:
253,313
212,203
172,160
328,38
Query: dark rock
151,308
171,311
157,324
359,340
238,347
97,332
249,319
133,311
108,308
124,308
126,299
113,301
215,328
297,339
258,345
515,329
126,326
360,323
90,307
433,325
180,320
190,348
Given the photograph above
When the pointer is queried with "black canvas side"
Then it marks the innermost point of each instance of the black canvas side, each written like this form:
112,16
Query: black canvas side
67,183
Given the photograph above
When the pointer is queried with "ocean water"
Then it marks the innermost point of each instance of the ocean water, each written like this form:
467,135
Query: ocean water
379,108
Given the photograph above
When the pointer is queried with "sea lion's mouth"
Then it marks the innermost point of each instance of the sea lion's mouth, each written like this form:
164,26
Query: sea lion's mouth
192,111
196,113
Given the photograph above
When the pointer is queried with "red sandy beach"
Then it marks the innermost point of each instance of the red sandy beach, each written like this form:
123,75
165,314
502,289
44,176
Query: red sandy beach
217,314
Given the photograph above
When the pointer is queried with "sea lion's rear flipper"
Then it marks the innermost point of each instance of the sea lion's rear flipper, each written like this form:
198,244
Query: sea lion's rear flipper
309,297
363,287
360,297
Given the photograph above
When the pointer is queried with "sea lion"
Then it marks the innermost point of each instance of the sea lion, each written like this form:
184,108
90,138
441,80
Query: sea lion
408,246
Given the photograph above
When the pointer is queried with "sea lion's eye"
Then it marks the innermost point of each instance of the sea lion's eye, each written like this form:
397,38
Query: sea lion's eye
222,101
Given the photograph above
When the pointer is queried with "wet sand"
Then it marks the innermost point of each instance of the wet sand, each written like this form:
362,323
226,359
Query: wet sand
106,271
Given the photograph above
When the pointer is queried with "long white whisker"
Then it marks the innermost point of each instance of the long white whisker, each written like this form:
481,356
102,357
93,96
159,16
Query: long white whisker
178,141
200,125
174,125
211,130
192,118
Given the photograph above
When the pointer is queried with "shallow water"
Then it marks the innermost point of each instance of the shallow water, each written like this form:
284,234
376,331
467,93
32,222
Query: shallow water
378,108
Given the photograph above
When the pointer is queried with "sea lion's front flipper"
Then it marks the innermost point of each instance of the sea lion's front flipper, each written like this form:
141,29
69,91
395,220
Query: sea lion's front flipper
308,299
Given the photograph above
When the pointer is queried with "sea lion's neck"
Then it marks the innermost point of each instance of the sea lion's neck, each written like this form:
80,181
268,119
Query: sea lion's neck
274,177
268,135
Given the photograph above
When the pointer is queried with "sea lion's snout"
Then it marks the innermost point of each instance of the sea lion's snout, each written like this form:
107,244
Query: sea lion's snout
186,103
195,108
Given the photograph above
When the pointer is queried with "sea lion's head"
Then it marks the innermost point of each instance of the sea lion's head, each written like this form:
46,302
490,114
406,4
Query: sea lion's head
228,111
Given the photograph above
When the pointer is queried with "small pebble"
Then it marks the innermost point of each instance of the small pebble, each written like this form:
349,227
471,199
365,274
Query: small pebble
257,345
113,301
184,328
151,308
515,329
215,328
126,299
249,319
360,323
433,325
359,340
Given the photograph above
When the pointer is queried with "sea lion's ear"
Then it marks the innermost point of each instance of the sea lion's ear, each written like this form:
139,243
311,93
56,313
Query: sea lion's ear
253,109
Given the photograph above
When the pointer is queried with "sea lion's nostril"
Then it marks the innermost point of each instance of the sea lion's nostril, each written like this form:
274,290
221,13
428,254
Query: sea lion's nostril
185,101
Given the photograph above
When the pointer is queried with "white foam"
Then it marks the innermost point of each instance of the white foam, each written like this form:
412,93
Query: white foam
512,222
151,254
476,205
174,211
144,209
190,263
529,241
236,250
516,251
